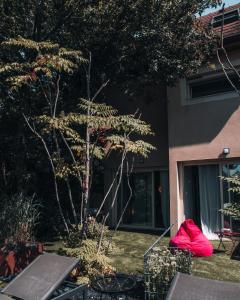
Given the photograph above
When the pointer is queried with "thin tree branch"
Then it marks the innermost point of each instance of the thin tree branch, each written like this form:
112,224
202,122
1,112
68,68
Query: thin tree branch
128,174
57,97
72,156
71,200
52,167
100,89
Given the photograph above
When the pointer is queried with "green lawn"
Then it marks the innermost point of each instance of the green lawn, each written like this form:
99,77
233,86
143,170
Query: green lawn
133,246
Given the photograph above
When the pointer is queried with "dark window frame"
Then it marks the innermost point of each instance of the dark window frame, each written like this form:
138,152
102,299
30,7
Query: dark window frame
211,87
229,17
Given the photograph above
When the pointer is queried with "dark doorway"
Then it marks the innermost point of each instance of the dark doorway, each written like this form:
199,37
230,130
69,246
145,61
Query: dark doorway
191,194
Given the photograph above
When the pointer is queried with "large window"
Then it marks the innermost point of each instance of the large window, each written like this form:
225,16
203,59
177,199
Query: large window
148,207
229,17
211,87
202,200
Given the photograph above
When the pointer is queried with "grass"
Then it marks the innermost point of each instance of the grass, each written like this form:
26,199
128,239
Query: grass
134,245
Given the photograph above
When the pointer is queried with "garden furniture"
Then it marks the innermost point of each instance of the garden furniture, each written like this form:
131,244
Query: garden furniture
195,288
116,285
190,237
234,237
45,278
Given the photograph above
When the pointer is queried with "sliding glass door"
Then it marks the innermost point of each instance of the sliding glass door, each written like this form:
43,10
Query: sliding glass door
145,199
202,197
205,194
139,206
210,201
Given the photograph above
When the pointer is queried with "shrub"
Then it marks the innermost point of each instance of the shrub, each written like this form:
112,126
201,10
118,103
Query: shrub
232,209
93,232
18,219
91,262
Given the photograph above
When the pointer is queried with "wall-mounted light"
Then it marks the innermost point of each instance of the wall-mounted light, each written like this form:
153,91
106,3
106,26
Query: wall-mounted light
226,151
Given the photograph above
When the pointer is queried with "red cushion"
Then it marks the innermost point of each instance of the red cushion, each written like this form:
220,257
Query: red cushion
190,237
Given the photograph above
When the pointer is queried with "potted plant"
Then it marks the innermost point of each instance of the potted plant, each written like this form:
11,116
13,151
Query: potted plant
19,217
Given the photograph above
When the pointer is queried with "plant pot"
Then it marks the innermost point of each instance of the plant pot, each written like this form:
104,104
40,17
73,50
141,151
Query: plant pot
17,257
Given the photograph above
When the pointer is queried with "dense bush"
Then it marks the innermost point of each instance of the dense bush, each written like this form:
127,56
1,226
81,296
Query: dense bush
18,219
93,232
92,263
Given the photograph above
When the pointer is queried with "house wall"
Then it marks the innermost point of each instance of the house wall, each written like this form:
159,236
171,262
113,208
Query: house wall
197,134
152,104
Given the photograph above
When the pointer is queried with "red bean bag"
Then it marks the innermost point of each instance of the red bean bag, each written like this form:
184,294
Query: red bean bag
190,237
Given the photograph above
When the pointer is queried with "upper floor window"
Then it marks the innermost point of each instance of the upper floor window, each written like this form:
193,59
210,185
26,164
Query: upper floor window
209,88
229,17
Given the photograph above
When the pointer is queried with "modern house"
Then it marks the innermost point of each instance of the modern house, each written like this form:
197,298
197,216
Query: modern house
197,126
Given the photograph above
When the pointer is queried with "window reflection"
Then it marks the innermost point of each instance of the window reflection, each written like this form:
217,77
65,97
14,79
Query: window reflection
149,201
230,170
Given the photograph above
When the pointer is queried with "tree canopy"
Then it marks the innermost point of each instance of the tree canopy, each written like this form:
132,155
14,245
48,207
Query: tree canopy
144,40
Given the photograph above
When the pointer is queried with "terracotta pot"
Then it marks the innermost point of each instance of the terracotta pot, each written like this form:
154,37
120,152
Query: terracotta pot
14,261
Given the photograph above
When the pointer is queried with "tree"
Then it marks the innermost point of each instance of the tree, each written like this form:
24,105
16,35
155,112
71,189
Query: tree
232,74
30,75
72,140
142,40
92,132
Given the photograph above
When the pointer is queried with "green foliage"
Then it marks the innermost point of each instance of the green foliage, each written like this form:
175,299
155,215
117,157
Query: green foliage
150,41
93,232
37,77
144,40
234,183
91,263
18,219
25,62
232,209
141,41
109,131
29,74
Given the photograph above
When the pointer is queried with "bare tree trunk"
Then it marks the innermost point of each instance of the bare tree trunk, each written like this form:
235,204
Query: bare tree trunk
227,66
53,171
129,172
86,180
78,173
113,199
71,201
